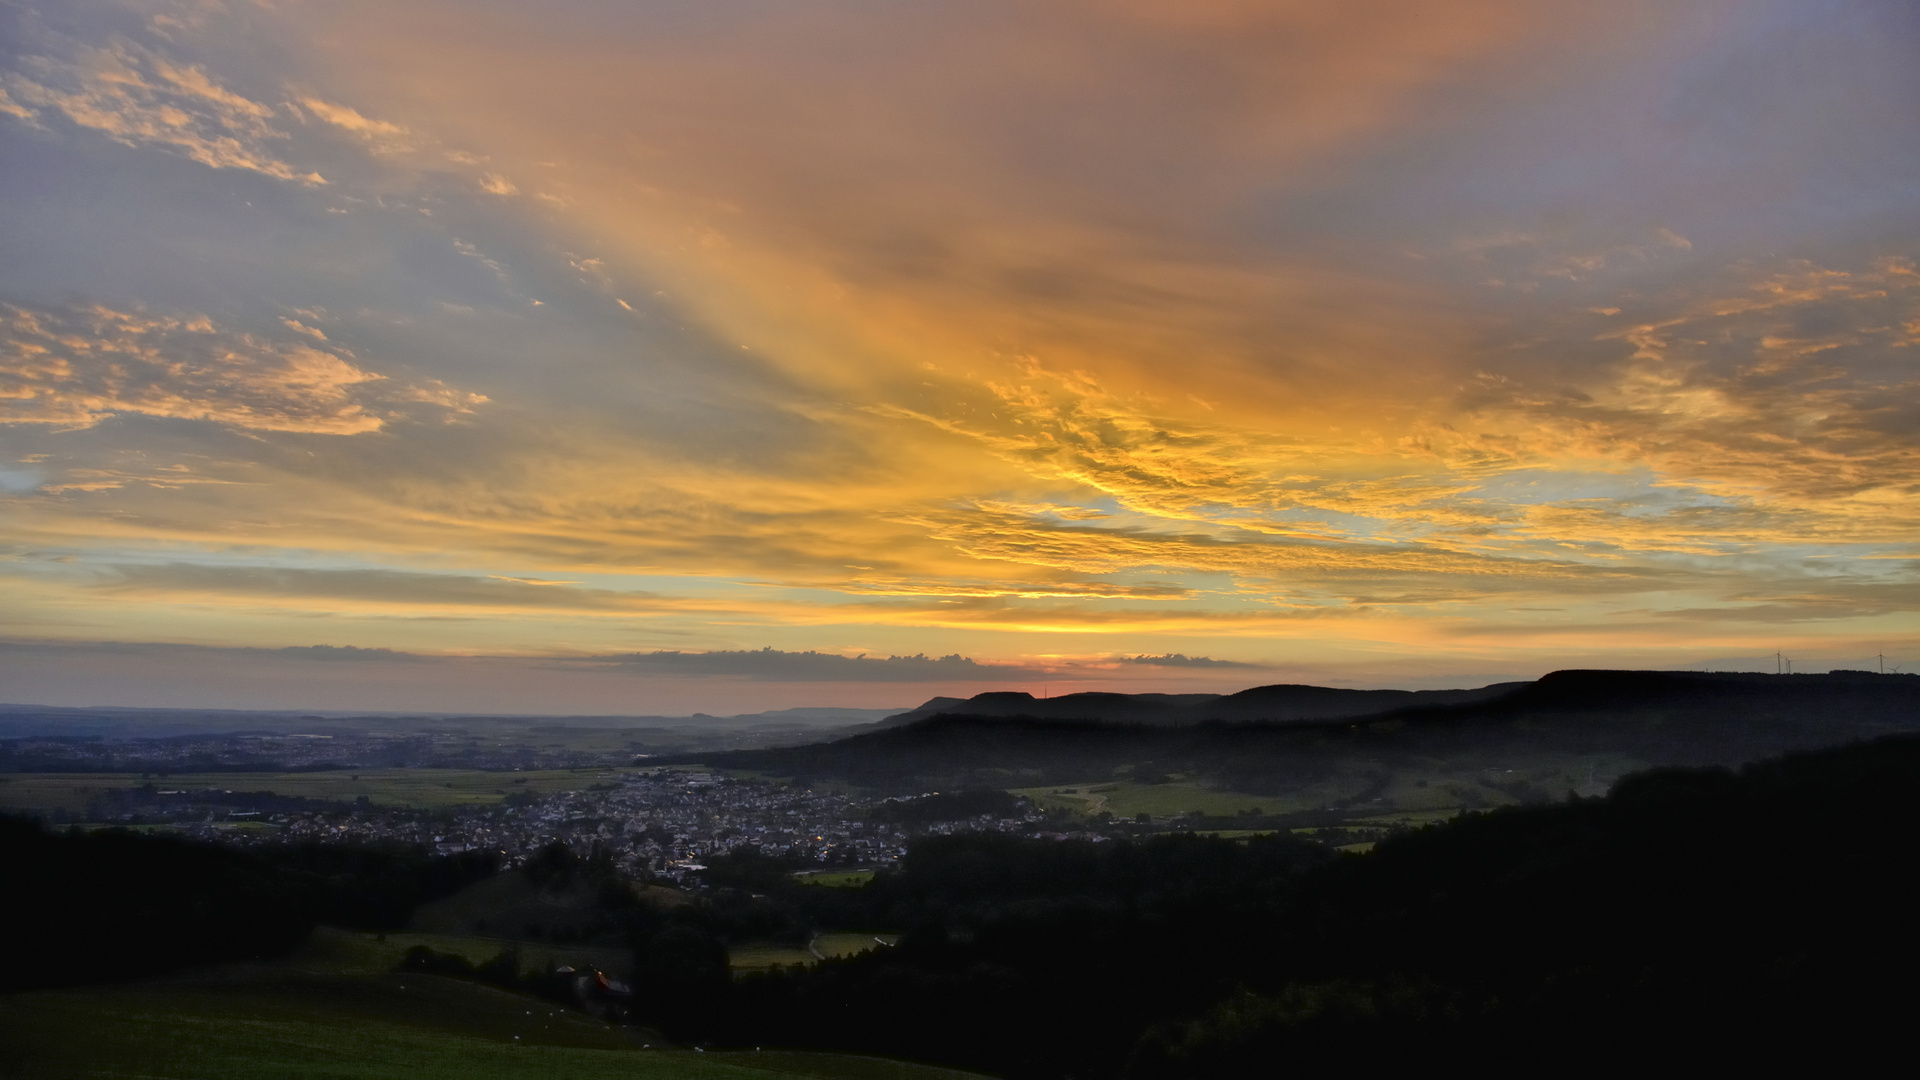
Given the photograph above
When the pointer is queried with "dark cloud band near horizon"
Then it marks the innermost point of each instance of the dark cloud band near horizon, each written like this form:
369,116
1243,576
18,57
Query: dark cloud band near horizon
104,674
1156,343
25,663
764,664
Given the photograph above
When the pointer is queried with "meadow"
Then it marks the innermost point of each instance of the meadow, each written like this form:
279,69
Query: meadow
345,952
1125,799
743,959
850,942
1408,792
337,1009
834,879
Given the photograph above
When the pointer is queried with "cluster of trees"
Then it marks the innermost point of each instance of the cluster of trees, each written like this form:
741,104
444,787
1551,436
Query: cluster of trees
114,904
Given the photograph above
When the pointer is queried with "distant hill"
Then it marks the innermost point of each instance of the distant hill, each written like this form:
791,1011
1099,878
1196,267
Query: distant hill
1269,739
1272,704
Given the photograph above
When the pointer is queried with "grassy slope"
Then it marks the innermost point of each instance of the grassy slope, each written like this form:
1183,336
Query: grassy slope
503,906
335,1010
745,958
835,879
344,952
749,957
851,942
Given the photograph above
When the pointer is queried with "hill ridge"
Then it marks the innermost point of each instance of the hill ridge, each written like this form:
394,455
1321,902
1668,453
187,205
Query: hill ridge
1652,718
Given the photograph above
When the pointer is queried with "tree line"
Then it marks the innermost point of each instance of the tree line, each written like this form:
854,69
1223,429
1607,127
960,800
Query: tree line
110,904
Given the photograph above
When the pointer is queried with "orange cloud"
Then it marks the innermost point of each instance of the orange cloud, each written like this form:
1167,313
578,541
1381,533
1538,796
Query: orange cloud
136,97
75,367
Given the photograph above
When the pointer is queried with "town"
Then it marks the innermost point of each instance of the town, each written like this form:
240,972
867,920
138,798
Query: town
655,824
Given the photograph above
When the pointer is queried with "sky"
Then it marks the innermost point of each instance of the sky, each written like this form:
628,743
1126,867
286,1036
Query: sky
660,356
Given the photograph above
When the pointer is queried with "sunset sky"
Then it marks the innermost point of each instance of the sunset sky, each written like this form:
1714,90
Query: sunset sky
656,356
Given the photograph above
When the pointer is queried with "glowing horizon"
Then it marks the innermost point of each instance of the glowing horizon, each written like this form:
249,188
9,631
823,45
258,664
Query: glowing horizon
1369,344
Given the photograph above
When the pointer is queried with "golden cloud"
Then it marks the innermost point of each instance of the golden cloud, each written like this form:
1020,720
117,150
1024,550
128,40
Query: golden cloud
1792,397
73,367
139,98
350,119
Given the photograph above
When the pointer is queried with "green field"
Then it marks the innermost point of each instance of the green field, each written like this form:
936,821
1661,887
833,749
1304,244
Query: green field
1412,819
425,788
746,958
750,957
1125,799
850,942
1234,834
1407,792
336,1010
835,879
344,952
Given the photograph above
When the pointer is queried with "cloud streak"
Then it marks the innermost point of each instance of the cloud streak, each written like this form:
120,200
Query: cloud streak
774,665
137,97
387,589
75,367
1181,660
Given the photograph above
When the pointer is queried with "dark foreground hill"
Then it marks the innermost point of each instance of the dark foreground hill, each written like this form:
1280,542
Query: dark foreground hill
1641,718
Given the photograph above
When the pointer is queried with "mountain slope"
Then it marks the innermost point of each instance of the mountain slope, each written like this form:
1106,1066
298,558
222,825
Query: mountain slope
1578,720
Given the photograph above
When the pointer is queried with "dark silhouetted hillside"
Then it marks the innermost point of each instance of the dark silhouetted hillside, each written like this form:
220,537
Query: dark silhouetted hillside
1742,916
1275,704
1654,718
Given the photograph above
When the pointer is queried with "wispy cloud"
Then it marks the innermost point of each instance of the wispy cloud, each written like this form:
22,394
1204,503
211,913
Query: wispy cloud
379,588
74,367
809,666
1791,390
139,98
380,132
1181,660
